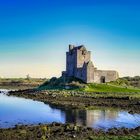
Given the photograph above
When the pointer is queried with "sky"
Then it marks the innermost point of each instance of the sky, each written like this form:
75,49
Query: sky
35,34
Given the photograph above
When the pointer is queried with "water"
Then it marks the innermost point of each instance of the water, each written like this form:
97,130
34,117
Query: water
14,110
3,91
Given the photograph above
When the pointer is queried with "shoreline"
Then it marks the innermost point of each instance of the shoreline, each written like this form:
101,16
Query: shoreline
76,100
61,131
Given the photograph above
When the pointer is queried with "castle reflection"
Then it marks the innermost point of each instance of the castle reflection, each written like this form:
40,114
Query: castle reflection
89,117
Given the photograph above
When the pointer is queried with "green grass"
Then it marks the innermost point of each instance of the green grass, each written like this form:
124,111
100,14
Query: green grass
109,88
102,91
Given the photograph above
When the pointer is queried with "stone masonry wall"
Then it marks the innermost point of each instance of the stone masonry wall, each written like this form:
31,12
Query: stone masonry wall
70,63
90,72
83,56
107,74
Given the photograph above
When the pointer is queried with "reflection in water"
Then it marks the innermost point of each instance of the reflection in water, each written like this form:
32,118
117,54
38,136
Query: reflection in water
15,110
90,118
101,118
76,116
95,116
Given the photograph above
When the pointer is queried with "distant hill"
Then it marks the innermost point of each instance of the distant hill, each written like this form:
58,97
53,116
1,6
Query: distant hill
20,83
128,81
133,81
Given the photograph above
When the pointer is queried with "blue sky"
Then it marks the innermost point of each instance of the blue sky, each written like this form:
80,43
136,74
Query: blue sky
34,35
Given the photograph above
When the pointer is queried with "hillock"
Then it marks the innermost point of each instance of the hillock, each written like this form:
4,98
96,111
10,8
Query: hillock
62,83
70,83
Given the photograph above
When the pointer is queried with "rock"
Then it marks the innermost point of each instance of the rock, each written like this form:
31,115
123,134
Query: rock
74,136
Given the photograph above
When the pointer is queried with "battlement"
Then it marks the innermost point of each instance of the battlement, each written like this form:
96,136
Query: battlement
72,47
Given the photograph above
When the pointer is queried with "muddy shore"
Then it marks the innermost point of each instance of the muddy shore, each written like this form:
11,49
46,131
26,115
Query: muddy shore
57,131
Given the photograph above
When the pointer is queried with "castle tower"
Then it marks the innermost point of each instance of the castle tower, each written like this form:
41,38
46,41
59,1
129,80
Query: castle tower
71,57
79,65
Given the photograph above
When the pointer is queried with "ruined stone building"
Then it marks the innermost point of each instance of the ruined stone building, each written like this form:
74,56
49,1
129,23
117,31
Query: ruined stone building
79,65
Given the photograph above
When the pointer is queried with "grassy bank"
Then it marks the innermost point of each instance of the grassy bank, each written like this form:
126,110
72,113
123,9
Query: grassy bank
121,85
108,87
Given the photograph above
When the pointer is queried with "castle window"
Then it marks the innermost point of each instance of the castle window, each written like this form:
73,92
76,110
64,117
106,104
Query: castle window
84,52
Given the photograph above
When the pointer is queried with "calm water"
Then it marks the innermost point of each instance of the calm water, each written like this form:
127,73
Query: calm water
15,110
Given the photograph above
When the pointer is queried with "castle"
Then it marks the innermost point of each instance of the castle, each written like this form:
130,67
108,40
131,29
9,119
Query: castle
79,65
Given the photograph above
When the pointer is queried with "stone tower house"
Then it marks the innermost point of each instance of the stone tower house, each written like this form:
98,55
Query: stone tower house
79,65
